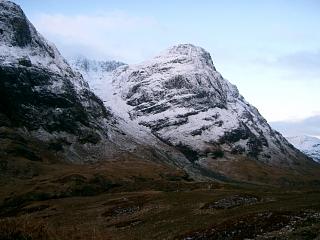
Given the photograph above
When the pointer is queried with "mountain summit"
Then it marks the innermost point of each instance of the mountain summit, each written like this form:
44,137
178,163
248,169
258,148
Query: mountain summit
180,98
197,55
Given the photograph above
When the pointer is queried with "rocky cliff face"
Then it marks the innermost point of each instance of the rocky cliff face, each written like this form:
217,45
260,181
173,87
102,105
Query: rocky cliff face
185,102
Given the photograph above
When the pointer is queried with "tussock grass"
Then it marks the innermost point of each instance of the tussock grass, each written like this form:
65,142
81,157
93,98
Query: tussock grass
24,228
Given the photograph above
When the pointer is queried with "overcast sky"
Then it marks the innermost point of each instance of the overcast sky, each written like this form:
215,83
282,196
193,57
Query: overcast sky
269,49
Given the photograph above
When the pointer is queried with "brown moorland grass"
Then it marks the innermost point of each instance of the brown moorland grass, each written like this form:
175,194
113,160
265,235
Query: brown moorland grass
133,199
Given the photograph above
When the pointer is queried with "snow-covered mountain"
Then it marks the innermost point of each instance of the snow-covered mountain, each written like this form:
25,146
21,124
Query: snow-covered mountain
184,101
174,109
307,144
48,111
181,99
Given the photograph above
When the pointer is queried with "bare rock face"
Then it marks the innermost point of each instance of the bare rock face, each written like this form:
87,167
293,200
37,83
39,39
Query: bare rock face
14,25
186,103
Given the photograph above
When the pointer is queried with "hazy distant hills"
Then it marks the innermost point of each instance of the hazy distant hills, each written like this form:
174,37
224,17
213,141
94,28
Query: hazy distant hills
309,145
299,134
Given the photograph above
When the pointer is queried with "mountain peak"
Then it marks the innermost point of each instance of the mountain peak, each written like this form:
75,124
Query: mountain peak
14,26
185,49
188,53
21,44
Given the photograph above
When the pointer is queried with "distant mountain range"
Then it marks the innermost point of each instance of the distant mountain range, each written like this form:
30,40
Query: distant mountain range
299,134
309,145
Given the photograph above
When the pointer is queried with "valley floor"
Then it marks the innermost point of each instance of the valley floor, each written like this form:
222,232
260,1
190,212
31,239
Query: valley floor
106,202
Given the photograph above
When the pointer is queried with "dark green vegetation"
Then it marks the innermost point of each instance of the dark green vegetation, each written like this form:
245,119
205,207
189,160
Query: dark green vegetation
132,199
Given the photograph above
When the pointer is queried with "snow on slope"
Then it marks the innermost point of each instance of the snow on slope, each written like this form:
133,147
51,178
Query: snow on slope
99,75
309,145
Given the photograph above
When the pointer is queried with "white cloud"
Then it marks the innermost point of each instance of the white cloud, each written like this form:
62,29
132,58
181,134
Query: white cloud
300,63
105,35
